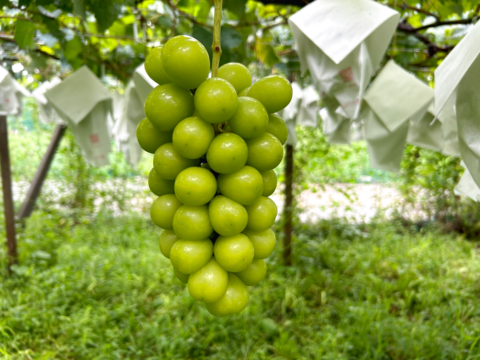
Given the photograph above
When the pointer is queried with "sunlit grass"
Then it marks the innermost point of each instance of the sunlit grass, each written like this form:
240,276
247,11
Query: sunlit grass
101,290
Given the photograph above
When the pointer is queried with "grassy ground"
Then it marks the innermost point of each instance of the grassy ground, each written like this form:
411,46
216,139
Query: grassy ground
99,289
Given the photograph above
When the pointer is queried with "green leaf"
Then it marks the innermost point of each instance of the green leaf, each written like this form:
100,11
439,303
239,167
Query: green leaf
72,50
230,38
265,51
237,7
24,34
165,22
79,7
106,12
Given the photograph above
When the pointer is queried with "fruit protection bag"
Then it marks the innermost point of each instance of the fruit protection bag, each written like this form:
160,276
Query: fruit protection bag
467,186
302,110
426,131
83,102
393,100
11,93
132,113
457,80
336,124
342,42
46,112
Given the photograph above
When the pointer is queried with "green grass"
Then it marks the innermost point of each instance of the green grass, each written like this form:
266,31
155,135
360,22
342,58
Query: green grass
99,289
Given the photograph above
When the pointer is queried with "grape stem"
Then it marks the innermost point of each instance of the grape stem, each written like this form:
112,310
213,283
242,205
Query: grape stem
216,47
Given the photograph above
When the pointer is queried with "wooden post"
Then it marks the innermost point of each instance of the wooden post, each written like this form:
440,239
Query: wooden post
7,193
36,186
288,208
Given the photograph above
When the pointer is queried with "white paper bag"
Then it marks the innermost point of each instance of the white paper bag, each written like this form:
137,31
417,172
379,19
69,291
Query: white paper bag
426,131
143,84
457,82
336,124
11,93
308,110
393,99
83,102
467,187
46,112
342,42
125,129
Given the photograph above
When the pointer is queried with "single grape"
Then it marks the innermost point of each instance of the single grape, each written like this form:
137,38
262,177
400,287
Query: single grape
192,137
274,92
236,74
158,185
189,256
216,100
234,301
163,209
254,273
269,182
227,153
234,253
243,186
167,239
192,223
154,66
261,214
244,92
263,242
168,163
167,105
264,152
209,283
185,61
250,119
149,138
278,128
195,186
181,276
227,216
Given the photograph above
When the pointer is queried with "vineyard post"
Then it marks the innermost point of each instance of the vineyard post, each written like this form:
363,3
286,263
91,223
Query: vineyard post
7,193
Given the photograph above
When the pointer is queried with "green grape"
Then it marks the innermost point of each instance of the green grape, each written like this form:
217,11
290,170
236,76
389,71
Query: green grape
181,276
192,223
278,128
163,209
244,92
227,216
195,186
234,301
269,182
167,239
243,186
209,283
186,61
154,66
254,273
158,185
234,253
250,119
168,163
274,92
192,137
216,100
227,153
167,105
189,256
263,242
261,214
236,74
149,138
264,152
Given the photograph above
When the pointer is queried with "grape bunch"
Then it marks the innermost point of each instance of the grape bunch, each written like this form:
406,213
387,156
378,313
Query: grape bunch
215,142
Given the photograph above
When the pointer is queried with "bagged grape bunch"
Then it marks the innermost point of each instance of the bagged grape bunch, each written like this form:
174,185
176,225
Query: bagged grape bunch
215,142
